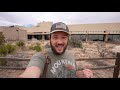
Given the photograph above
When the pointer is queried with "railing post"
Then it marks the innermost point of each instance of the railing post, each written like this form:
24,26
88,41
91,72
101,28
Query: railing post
117,68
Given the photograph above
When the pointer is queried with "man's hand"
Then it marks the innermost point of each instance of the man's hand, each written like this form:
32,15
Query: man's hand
86,73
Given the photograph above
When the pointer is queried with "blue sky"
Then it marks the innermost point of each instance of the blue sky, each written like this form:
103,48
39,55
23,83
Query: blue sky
24,18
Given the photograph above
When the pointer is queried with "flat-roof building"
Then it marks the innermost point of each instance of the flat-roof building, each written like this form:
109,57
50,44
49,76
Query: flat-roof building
13,33
99,31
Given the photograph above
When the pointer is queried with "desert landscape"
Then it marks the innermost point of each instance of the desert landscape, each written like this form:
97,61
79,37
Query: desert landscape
91,49
94,38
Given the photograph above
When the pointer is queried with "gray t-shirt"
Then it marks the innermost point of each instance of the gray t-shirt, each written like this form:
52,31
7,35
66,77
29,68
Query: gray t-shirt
61,66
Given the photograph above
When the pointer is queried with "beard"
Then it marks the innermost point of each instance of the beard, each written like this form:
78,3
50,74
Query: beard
54,50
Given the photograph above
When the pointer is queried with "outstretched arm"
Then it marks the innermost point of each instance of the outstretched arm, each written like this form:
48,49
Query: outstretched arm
31,72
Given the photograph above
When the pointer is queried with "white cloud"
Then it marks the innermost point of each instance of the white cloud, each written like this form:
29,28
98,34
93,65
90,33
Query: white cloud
66,17
7,23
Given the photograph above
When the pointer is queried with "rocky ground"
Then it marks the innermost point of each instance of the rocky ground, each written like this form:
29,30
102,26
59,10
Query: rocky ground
89,50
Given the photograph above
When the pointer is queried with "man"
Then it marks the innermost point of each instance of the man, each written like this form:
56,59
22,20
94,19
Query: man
62,62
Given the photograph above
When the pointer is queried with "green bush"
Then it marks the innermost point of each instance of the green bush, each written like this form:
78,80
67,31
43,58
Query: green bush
10,48
3,50
36,47
7,49
2,39
20,43
31,47
38,44
74,43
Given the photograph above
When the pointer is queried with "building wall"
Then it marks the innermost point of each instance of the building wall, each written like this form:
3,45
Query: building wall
43,28
93,31
112,28
14,34
23,35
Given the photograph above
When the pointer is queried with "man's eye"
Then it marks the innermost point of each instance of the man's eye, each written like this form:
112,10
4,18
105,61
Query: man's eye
64,37
54,37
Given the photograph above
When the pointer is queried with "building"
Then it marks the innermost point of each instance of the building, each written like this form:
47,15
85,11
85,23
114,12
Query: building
84,32
97,32
40,32
94,32
13,33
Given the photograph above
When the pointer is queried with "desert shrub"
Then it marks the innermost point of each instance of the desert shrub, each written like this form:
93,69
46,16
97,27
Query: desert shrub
2,39
6,49
31,47
3,50
74,43
10,48
20,43
36,47
102,50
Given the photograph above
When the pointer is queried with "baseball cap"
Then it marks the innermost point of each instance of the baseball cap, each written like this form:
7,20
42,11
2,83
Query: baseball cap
59,26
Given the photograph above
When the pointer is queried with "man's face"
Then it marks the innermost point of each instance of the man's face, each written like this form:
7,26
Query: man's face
59,42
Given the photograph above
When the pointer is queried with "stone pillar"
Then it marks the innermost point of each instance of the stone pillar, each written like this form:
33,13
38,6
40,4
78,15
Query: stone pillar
43,37
86,38
105,37
32,36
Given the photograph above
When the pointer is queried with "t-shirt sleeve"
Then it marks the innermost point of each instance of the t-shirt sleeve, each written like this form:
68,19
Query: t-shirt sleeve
38,60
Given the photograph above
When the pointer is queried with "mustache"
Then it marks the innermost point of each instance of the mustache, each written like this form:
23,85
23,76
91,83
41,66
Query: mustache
54,50
59,45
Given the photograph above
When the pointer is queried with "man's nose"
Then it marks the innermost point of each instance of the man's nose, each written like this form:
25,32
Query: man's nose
59,41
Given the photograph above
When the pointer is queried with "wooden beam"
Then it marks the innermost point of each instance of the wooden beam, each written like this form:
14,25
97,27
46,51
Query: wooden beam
81,59
100,67
14,59
13,68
